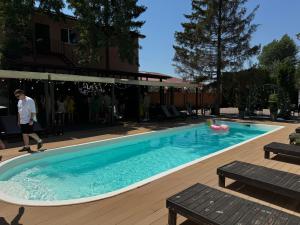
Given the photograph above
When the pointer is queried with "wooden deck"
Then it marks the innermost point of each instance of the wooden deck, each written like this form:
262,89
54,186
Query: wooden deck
147,204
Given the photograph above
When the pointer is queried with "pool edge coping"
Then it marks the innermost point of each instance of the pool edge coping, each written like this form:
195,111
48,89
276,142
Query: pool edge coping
9,199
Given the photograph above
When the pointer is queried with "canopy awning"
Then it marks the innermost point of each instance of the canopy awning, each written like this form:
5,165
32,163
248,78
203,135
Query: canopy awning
23,75
79,78
156,83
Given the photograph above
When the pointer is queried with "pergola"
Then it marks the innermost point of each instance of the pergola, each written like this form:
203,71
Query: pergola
49,80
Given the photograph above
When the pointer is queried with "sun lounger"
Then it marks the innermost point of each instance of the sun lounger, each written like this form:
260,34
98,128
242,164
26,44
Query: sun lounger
297,130
283,183
280,148
204,205
9,125
190,112
294,138
175,112
166,112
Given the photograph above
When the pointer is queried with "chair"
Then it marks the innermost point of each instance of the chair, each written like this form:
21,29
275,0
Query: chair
280,148
190,112
10,126
276,181
176,113
166,112
205,205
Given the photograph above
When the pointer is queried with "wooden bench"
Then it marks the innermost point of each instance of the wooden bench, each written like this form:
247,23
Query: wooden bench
280,148
204,205
287,184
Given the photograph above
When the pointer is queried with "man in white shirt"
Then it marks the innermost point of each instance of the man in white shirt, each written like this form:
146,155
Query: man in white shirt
26,118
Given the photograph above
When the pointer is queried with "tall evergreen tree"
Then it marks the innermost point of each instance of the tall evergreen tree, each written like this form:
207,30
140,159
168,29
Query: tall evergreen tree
216,38
107,23
278,50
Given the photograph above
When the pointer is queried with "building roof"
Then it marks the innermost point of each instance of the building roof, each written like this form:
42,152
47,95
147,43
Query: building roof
170,79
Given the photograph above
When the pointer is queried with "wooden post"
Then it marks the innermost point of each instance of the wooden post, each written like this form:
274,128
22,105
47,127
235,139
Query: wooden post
172,217
221,181
172,96
112,120
139,103
197,106
52,102
47,101
267,155
161,95
9,98
202,101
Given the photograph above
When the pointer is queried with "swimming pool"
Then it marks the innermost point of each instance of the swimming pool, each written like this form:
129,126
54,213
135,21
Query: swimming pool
92,171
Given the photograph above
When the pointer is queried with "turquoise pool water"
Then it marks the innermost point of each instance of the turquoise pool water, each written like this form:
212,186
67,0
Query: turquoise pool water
95,169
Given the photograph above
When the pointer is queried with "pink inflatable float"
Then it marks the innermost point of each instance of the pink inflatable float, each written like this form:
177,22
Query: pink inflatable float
221,127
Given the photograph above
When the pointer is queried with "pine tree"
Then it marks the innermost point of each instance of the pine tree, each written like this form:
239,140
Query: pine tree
107,23
216,38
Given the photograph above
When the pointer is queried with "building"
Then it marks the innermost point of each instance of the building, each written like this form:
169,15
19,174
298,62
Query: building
55,42
50,71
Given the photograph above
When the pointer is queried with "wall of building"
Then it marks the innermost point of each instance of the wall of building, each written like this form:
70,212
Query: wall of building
181,99
57,46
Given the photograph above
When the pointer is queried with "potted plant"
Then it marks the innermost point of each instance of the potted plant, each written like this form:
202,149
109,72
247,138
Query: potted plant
273,105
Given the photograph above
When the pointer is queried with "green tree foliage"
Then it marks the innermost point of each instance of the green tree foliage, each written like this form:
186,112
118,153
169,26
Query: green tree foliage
297,77
278,50
246,89
102,24
215,38
284,73
107,23
15,18
280,59
52,7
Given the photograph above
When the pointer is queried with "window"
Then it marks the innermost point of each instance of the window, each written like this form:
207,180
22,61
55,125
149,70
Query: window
64,35
69,36
73,39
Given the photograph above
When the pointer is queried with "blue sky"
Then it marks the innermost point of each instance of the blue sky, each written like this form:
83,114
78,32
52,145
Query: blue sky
164,17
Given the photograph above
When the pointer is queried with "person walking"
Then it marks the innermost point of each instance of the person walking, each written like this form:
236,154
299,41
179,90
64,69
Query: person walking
26,118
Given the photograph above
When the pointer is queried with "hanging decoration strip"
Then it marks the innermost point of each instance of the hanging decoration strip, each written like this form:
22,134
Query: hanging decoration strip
122,83
90,89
